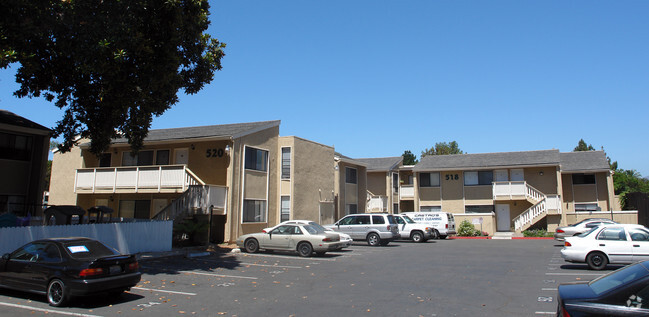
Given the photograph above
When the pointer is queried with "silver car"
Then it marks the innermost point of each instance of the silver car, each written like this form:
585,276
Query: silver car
376,229
304,239
585,225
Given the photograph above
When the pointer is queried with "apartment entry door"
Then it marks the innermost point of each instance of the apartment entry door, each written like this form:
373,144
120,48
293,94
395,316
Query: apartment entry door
181,156
503,219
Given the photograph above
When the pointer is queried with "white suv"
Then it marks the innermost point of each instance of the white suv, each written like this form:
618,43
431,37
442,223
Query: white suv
409,229
376,229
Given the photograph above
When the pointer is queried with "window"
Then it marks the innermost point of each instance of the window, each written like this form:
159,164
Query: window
254,210
638,234
378,220
428,179
286,163
430,208
582,179
614,234
145,158
104,160
162,157
12,203
395,182
478,178
586,207
479,209
285,213
256,159
351,208
138,209
350,176
15,147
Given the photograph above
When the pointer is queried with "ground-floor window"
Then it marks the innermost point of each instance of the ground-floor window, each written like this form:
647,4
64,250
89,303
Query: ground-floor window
138,209
285,213
395,208
351,209
587,207
12,203
254,210
430,208
479,209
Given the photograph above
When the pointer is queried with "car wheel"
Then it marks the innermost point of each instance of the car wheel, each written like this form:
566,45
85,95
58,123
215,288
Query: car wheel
596,260
435,234
57,293
373,239
304,249
417,237
252,245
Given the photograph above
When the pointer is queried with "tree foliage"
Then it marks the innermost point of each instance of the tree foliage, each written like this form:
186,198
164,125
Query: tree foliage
443,148
409,158
582,146
111,65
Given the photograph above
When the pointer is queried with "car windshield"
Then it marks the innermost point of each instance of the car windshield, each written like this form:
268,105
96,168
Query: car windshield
407,219
319,227
587,232
88,249
624,275
311,229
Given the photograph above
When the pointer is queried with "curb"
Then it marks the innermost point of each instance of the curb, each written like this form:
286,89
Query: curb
501,238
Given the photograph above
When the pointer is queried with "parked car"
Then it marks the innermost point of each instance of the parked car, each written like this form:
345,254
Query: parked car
442,222
302,238
617,243
65,267
583,226
623,292
344,238
376,229
409,229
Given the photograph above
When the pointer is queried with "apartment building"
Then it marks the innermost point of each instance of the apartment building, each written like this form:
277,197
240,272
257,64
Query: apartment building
24,148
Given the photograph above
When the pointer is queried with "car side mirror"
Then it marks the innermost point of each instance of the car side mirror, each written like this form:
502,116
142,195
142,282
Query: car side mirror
5,256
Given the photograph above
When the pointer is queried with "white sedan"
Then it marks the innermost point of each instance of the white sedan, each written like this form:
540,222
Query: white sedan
304,239
344,238
618,243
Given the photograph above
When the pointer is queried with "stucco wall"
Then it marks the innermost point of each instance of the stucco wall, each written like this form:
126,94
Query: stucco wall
64,166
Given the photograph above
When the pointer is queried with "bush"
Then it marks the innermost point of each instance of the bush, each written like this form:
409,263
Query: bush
537,233
467,229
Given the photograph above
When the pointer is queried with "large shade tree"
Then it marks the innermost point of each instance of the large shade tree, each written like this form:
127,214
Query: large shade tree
111,65
443,148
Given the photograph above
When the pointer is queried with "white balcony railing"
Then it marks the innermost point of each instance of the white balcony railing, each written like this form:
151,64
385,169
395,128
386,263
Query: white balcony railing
377,203
519,188
163,177
407,191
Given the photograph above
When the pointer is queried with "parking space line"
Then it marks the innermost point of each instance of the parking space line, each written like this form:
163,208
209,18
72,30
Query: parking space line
164,291
254,264
219,275
550,289
288,257
545,313
47,311
572,274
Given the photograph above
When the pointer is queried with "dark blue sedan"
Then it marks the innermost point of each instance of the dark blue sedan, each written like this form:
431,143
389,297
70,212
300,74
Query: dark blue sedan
624,292
64,267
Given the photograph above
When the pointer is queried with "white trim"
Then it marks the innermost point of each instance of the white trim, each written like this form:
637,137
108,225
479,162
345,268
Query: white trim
602,212
491,214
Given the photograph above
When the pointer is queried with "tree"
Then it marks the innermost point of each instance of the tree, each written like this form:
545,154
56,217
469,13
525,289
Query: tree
409,158
581,146
443,148
112,65
628,181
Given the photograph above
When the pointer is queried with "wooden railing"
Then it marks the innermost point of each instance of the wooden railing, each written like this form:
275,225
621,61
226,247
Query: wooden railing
159,178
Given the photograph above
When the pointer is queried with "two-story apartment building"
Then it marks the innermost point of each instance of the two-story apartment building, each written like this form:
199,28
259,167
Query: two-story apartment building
23,164
239,177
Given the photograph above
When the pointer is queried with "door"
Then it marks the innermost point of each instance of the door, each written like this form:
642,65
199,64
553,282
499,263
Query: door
503,219
518,175
500,176
278,238
640,239
181,156
613,241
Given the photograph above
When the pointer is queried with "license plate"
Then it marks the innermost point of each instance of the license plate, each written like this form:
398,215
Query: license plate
115,269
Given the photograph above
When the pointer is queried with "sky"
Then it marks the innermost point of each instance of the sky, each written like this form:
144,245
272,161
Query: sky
376,78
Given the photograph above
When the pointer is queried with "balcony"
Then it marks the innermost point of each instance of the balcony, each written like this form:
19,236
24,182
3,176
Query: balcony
407,191
135,179
516,190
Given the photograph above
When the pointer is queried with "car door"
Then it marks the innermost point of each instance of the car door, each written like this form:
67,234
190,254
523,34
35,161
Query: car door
404,229
20,269
279,237
346,225
613,241
640,242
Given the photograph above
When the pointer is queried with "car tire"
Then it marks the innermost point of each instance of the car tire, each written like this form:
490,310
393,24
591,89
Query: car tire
596,260
417,237
251,245
304,249
57,293
373,239
435,234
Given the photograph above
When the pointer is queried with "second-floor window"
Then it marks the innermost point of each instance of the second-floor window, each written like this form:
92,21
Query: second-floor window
478,178
286,162
583,179
429,179
256,159
350,176
144,158
15,147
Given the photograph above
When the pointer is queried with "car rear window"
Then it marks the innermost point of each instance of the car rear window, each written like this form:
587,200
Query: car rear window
378,220
88,249
391,220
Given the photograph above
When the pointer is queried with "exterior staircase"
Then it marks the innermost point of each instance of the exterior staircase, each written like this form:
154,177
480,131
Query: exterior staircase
542,204
196,200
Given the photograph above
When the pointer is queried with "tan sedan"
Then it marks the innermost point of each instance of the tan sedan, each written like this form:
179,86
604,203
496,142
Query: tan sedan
302,238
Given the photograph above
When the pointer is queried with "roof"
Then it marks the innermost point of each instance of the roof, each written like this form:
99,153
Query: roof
234,130
348,160
583,161
10,118
488,160
381,163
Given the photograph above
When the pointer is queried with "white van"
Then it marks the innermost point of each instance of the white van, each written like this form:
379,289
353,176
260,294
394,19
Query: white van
443,222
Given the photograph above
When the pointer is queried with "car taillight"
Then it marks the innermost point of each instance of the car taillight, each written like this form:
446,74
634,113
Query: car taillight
326,239
563,312
389,228
133,266
560,231
447,226
91,272
567,244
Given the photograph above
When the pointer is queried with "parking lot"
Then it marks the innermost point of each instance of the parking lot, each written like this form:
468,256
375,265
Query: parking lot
437,278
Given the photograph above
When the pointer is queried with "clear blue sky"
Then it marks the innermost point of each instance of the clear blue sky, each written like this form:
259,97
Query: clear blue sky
376,78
